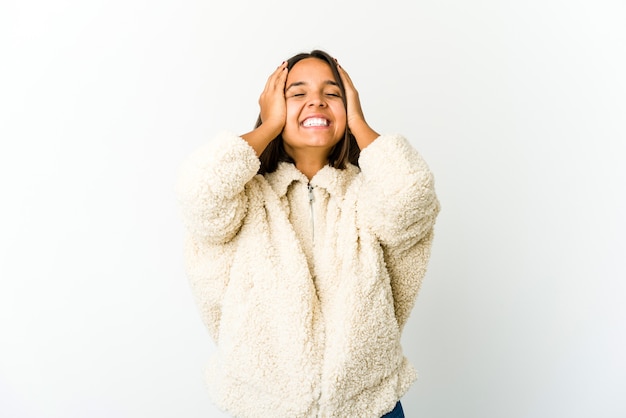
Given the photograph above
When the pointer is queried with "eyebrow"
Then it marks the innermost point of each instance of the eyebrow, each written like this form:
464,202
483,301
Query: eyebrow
304,83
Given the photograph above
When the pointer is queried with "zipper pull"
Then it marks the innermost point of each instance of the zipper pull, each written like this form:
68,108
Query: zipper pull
311,197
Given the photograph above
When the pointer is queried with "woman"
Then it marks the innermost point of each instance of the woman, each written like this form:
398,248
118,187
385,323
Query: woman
307,241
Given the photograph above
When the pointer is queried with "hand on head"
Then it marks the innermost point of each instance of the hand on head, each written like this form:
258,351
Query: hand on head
362,132
354,112
272,100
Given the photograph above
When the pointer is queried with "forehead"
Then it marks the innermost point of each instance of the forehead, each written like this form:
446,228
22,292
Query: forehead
310,70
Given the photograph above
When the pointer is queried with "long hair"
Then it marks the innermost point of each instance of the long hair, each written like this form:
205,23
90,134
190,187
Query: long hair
344,152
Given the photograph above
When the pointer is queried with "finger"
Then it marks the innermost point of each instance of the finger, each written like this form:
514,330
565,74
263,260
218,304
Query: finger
344,75
281,77
271,80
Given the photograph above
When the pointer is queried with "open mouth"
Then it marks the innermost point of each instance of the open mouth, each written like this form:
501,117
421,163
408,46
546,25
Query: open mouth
314,122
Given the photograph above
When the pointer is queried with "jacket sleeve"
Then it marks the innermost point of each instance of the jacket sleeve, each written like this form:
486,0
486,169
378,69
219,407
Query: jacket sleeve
211,187
213,203
399,205
397,200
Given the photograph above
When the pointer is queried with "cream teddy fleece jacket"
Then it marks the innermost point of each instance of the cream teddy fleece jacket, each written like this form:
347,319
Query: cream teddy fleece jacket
305,286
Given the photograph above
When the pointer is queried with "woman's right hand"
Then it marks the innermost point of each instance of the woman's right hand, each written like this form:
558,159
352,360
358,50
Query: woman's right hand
273,111
272,100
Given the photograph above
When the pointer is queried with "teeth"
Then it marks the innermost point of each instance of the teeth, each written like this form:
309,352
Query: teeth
315,122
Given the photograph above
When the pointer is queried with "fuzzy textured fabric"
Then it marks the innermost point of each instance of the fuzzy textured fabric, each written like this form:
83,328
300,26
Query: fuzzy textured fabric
306,293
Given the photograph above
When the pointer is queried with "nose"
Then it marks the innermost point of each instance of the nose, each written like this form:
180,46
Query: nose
317,100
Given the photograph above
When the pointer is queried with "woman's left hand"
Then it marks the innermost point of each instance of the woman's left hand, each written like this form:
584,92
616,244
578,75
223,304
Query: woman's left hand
356,120
355,112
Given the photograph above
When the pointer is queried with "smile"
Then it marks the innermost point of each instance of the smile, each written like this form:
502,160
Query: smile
312,122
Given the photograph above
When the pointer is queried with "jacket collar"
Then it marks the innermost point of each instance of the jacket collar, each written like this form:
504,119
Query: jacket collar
333,180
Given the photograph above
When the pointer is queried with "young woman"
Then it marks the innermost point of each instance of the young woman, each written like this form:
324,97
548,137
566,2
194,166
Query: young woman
307,240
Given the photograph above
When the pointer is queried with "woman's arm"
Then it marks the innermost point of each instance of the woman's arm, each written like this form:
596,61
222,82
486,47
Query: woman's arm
273,111
212,180
398,199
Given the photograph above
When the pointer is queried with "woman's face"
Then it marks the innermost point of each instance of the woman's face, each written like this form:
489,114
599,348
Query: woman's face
316,116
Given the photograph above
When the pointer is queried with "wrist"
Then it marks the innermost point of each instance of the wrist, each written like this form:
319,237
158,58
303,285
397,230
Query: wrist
261,136
272,127
363,133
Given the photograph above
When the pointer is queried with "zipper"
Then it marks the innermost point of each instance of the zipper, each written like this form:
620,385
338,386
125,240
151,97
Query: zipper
311,199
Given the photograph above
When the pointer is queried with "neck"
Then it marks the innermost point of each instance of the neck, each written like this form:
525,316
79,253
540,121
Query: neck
309,170
309,162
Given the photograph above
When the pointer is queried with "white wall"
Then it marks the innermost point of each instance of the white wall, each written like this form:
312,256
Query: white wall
519,108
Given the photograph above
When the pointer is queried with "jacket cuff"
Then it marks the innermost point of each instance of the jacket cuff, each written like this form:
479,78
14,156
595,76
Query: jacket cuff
388,151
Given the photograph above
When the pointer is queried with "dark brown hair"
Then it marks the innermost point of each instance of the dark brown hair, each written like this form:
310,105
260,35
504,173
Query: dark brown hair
346,150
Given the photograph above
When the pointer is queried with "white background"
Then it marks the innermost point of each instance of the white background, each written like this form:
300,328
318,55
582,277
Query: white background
519,107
